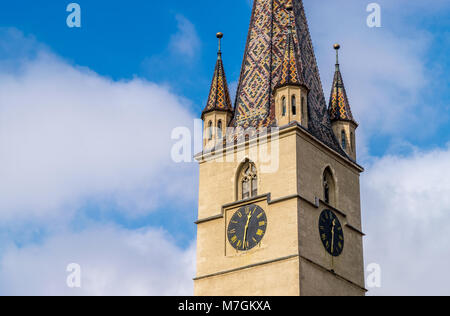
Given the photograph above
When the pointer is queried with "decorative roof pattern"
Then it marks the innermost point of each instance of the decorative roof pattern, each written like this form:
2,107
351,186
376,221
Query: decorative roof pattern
219,95
262,69
339,107
291,70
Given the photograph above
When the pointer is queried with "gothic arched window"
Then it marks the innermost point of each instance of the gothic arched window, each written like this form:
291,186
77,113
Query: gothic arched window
329,187
283,106
248,181
294,105
210,132
344,140
219,129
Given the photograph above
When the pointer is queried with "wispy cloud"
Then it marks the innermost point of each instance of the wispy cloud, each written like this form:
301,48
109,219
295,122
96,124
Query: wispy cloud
113,261
386,70
185,42
406,210
68,134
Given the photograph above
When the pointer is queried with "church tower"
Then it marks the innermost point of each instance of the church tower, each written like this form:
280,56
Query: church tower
279,210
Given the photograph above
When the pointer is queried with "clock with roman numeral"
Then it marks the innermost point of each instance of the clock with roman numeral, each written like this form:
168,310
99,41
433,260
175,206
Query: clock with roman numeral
331,233
247,227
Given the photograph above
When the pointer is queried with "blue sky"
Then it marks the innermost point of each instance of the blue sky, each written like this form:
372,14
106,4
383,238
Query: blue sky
85,133
124,41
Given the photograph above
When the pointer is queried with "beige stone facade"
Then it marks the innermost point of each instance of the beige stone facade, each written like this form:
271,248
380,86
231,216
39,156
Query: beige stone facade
286,99
291,259
346,129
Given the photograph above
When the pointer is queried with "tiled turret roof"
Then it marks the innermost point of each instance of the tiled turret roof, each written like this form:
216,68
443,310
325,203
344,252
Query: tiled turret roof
219,95
291,68
339,107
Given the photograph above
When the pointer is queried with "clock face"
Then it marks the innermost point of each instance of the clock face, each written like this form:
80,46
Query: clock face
247,227
331,233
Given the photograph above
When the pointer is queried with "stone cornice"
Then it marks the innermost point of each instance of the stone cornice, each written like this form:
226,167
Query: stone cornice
283,131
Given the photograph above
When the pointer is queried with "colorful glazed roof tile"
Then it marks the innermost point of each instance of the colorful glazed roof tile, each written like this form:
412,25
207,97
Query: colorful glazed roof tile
339,107
262,64
219,95
291,69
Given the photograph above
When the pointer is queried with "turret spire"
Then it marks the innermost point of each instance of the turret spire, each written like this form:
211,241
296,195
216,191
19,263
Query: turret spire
339,106
262,65
342,121
291,69
219,95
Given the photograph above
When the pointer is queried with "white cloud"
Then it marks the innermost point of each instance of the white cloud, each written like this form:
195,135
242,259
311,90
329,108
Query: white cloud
68,134
406,210
186,41
113,262
386,70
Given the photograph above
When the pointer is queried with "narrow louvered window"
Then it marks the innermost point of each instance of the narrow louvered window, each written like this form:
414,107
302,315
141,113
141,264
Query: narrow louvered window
352,141
303,106
294,105
210,132
329,187
219,129
344,140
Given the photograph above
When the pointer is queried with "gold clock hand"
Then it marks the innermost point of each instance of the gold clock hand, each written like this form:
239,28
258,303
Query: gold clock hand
246,228
332,236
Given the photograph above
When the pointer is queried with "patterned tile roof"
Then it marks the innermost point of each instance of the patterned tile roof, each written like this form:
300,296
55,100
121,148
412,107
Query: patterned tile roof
261,69
291,69
339,107
219,95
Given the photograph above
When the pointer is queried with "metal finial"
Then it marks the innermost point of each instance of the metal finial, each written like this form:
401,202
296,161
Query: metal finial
220,36
337,47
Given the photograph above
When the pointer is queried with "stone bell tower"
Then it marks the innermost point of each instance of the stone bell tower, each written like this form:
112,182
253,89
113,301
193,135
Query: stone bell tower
294,229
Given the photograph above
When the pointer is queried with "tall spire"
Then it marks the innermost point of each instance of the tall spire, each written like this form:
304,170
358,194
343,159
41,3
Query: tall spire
291,69
261,68
339,107
219,95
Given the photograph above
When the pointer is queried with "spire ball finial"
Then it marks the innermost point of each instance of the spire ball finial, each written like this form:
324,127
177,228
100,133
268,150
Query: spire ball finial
337,47
219,36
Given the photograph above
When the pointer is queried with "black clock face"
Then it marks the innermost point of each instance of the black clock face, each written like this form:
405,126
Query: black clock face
247,227
331,233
